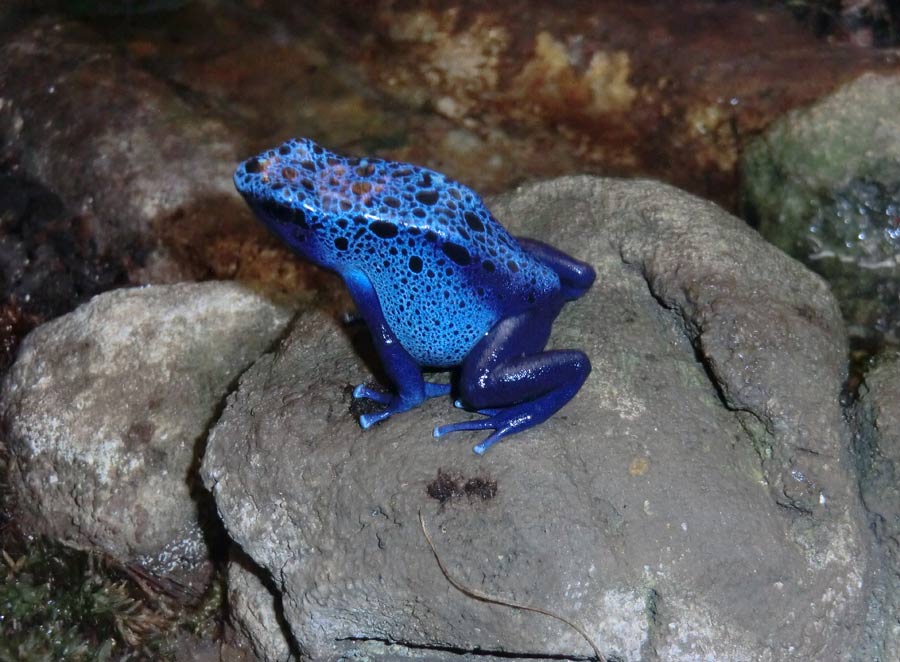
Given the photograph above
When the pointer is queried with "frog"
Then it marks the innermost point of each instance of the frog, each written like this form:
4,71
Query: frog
438,281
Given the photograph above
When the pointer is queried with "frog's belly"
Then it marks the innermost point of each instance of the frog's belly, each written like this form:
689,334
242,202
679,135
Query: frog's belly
438,329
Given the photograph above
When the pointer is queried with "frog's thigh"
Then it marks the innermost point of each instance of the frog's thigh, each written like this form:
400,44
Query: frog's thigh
508,366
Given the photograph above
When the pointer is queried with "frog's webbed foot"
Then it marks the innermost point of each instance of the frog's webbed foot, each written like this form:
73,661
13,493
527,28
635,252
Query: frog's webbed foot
395,403
505,421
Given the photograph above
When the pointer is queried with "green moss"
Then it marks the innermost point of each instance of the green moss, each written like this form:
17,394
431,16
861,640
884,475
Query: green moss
58,604
62,604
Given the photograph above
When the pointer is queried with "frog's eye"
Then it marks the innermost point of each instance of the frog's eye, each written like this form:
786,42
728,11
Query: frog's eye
253,166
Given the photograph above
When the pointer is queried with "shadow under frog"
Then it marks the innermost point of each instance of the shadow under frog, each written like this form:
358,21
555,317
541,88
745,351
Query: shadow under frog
436,278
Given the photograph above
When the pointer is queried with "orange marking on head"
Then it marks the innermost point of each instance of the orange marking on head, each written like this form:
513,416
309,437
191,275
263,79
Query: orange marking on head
361,188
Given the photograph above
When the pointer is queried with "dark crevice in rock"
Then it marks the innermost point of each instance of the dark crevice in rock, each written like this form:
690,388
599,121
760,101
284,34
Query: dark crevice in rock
239,556
757,428
479,652
693,333
213,529
792,506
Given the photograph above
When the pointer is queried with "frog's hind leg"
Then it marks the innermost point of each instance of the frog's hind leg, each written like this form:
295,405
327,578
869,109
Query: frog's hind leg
509,377
575,276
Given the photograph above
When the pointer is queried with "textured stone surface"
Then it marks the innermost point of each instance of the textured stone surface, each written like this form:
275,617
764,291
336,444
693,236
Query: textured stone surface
877,418
692,502
106,409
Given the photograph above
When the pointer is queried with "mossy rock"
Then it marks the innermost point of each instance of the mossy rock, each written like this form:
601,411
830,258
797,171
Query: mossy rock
823,184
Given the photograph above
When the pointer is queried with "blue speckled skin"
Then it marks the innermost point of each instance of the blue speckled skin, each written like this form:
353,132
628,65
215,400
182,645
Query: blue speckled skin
439,282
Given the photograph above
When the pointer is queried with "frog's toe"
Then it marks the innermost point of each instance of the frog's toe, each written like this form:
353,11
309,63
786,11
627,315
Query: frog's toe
363,391
459,404
395,405
476,424
500,425
368,420
492,439
503,422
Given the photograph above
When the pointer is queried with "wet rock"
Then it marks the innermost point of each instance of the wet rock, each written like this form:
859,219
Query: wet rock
105,415
693,500
824,185
877,418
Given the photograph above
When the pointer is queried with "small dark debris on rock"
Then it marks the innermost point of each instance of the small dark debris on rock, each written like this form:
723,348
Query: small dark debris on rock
483,488
444,487
447,486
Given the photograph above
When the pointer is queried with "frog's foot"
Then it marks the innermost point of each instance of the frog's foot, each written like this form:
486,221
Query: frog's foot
510,420
395,403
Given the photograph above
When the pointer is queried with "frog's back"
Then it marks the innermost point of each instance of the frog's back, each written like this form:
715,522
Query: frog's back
445,271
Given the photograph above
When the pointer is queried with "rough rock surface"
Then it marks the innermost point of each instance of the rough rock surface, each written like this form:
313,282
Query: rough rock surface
824,184
878,456
692,502
105,413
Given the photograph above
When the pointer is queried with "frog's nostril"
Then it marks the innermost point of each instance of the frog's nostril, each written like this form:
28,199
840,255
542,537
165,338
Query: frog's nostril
253,166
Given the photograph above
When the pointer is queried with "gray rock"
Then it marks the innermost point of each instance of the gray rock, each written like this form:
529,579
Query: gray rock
692,502
106,410
877,418
824,184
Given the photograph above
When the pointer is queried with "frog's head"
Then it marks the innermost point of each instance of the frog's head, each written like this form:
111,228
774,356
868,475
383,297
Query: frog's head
282,186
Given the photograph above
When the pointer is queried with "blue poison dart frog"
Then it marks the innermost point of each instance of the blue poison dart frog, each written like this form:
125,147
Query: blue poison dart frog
439,282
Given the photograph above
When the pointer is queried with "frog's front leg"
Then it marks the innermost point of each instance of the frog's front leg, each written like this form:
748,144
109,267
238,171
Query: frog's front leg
509,377
400,367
